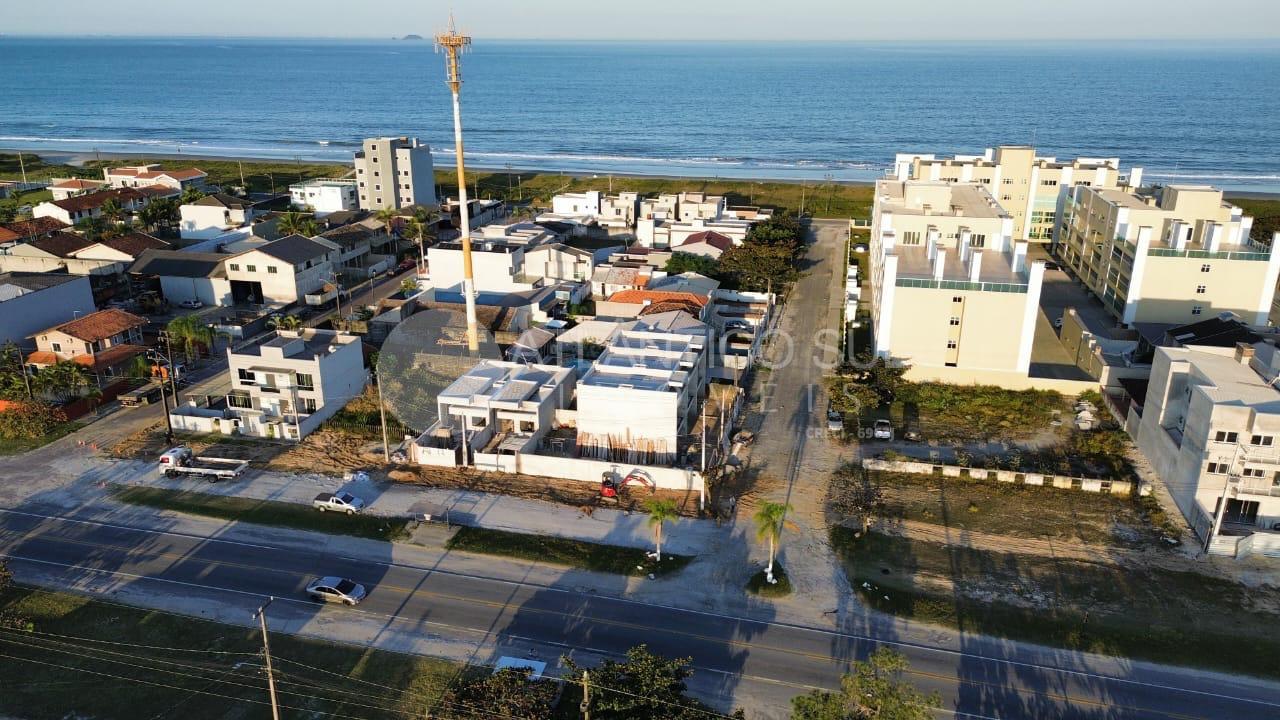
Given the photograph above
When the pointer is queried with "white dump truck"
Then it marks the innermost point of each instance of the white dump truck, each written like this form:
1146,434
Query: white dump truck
181,461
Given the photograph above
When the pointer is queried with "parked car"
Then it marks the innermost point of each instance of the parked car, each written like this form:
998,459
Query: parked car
336,589
1051,265
835,421
882,430
406,264
860,248
340,502
191,304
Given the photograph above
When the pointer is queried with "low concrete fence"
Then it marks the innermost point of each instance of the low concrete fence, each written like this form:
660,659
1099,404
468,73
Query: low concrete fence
1063,482
587,469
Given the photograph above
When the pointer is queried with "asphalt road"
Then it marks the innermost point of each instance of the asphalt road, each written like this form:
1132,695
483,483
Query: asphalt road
726,650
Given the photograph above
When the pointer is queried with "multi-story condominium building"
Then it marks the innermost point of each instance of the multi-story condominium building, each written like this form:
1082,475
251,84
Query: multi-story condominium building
662,206
496,407
950,287
1210,427
1024,184
325,195
641,395
1168,257
395,172
700,206
611,211
288,382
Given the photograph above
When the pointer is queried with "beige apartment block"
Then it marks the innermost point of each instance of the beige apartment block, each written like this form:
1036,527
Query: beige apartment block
1176,255
950,287
1026,185
394,172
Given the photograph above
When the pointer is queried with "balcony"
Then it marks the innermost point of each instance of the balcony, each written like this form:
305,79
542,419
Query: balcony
1257,486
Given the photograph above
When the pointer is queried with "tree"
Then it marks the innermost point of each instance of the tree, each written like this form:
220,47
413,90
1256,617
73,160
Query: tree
660,512
872,691
387,216
8,618
189,333
782,230
682,262
92,227
13,380
769,519
506,693
284,322
190,194
756,267
643,687
62,380
408,286
293,223
161,212
29,419
139,367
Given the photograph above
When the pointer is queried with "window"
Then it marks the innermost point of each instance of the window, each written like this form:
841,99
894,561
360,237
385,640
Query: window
271,269
1049,183
952,345
361,171
1218,468
235,266
246,376
251,268
956,298
308,405
57,347
376,173
1200,289
377,187
237,400
1205,267
955,320
88,348
911,238
1196,309
1262,440
1225,436
977,241
305,382
406,187
1253,472
361,183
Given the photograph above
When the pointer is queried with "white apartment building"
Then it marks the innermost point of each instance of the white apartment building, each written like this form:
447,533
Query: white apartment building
395,172
215,215
496,407
497,267
700,206
520,233
661,232
641,396
325,195
663,206
1026,185
315,372
1175,256
953,295
282,271
137,176
1210,427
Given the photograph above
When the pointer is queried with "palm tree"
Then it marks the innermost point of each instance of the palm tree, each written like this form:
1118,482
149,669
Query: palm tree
387,216
62,380
769,519
408,286
284,322
111,211
188,332
191,194
423,218
92,227
294,223
660,513
163,211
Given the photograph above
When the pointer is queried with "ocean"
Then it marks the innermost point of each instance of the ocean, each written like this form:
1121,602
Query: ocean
1186,113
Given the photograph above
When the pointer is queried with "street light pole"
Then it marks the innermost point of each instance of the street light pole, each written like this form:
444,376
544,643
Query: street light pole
382,414
261,617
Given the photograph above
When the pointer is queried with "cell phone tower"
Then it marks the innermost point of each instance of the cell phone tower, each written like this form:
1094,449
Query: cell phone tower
453,45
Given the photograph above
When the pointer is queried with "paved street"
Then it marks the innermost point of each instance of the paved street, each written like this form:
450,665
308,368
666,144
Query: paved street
58,528
480,617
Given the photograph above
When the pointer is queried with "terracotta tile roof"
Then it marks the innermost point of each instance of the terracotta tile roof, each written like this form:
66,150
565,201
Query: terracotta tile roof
77,184
41,357
154,191
92,201
98,362
185,174
655,296
7,235
664,306
100,325
710,237
134,244
35,226
61,244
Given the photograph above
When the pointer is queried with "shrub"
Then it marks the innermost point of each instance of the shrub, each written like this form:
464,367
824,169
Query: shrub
28,420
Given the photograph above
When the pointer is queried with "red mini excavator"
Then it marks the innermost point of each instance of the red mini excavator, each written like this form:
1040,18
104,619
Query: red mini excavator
611,486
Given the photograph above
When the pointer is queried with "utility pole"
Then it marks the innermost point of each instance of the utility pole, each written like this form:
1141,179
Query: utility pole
164,407
261,617
453,45
585,706
242,182
23,165
173,383
382,413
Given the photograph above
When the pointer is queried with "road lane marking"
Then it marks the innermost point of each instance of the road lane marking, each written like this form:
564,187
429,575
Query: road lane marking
732,618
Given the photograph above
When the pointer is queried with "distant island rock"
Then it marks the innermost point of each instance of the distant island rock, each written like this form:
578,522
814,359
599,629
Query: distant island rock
413,37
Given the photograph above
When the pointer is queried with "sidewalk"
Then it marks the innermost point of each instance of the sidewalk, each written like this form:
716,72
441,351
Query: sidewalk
685,536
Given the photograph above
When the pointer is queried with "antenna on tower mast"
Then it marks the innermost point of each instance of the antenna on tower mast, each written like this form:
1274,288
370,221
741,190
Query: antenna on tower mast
453,45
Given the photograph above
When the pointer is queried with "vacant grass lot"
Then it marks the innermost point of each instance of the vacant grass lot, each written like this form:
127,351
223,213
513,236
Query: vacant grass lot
560,551
1014,509
264,512
962,413
14,446
1148,613
85,658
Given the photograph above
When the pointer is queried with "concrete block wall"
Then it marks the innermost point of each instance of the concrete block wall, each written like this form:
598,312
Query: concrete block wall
1061,482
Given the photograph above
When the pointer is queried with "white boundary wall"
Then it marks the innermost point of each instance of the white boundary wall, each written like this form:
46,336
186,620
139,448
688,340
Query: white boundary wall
1062,482
587,469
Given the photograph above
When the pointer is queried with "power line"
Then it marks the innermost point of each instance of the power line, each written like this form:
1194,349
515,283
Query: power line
135,645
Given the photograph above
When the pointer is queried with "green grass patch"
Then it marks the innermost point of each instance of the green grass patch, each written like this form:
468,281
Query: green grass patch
15,446
974,412
760,585
52,678
596,557
265,512
1148,613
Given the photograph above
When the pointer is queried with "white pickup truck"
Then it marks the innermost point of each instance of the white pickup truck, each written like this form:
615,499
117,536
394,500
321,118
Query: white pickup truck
338,502
181,461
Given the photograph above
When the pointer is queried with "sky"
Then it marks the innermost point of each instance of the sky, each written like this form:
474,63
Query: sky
720,20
